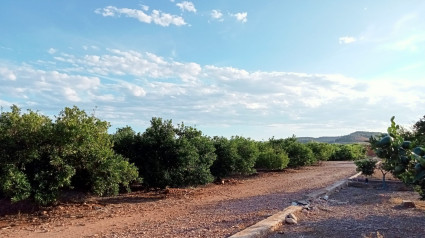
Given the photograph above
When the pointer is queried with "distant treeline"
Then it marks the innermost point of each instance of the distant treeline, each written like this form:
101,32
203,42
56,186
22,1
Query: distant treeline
41,157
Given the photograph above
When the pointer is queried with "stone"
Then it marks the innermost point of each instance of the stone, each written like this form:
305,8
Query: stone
289,220
408,204
303,202
291,215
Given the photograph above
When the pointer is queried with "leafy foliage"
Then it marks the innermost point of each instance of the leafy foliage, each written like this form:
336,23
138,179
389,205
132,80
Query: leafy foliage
39,158
270,158
299,154
234,156
321,151
168,156
348,152
419,131
366,166
247,153
226,152
400,159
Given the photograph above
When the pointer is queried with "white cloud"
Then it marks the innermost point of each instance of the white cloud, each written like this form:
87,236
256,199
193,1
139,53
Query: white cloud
6,74
165,19
134,90
144,8
186,6
34,86
216,14
71,95
133,63
52,51
241,16
92,47
157,17
347,40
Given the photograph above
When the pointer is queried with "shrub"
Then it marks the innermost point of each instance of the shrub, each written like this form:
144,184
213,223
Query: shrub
39,158
321,151
272,159
176,157
348,152
234,156
14,183
299,155
366,166
226,153
247,153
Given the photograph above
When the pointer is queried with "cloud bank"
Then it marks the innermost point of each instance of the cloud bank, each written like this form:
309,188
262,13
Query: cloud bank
156,16
130,87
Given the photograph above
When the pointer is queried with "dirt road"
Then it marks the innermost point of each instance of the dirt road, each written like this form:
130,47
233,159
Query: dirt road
208,211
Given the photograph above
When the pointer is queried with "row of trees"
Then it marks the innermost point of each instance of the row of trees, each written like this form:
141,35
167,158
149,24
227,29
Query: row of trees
40,157
182,156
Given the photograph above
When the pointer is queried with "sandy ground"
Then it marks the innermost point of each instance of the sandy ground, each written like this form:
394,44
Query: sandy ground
207,211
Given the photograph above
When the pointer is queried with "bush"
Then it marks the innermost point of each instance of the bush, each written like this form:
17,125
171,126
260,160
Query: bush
321,151
348,152
272,159
14,184
366,166
247,153
226,153
168,156
299,155
39,158
234,156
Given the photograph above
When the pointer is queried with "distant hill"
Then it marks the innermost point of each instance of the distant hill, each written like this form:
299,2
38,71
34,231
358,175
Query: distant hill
355,137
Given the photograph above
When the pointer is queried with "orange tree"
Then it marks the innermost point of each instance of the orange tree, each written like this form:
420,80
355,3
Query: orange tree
402,158
40,158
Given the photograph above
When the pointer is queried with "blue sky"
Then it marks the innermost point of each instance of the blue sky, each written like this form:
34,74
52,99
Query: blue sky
229,67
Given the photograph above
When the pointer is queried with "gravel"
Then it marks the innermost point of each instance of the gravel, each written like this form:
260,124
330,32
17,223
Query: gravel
361,210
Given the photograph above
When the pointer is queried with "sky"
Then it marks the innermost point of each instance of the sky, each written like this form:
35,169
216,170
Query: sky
250,68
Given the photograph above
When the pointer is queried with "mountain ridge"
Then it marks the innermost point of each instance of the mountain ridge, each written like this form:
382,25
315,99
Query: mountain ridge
355,137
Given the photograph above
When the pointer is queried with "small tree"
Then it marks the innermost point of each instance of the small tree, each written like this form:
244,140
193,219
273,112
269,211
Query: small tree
270,158
299,154
247,154
226,153
321,151
399,159
366,166
173,156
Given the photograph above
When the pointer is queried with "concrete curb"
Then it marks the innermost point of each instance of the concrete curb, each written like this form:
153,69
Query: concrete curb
266,226
269,225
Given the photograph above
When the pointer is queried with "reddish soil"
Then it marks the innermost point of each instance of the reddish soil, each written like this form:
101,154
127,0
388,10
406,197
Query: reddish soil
207,211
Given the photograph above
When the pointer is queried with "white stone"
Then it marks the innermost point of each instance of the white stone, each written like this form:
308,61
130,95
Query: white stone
291,215
289,220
